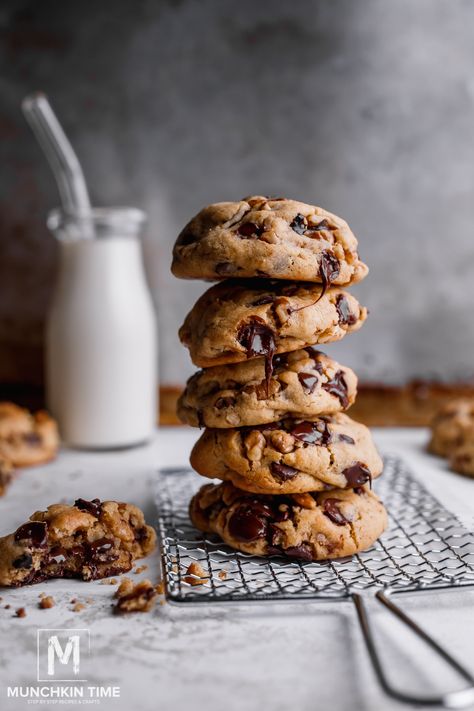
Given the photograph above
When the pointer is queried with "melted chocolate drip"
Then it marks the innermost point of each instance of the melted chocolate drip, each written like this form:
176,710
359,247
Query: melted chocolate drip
249,230
328,270
312,433
331,510
313,353
93,507
301,552
346,317
283,472
338,387
35,531
258,339
200,419
308,382
250,521
357,474
299,224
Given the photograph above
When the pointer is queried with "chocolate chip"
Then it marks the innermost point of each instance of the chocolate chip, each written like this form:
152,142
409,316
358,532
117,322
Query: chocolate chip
249,229
280,361
359,490
337,386
93,507
301,552
357,474
346,317
308,382
331,510
265,299
282,472
346,438
258,339
299,224
323,225
250,521
329,268
312,433
102,551
313,353
35,531
24,561
223,402
186,237
200,419
57,555
225,268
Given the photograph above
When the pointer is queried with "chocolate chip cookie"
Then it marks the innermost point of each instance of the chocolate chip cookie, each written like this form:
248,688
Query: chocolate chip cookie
236,320
290,456
26,439
265,237
89,540
6,475
308,526
303,383
451,426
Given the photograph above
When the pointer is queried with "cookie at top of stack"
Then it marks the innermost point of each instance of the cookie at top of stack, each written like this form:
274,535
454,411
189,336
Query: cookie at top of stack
295,470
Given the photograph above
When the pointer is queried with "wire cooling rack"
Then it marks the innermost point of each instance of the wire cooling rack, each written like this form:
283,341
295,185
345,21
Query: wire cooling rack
425,547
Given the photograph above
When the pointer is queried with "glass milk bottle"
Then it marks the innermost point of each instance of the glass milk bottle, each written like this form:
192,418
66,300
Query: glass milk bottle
101,343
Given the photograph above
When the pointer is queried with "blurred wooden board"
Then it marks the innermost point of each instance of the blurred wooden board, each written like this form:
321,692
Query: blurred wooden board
377,405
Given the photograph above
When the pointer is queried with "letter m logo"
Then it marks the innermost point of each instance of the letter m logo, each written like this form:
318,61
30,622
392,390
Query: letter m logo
61,653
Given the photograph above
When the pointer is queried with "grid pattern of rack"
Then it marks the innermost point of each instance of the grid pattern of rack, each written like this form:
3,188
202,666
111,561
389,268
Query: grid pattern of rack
425,547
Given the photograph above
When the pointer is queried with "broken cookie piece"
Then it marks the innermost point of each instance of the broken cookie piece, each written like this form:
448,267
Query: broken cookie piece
140,597
27,439
89,540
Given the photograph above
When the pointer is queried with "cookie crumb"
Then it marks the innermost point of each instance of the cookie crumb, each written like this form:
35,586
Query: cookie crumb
42,594
7,607
21,612
109,581
135,598
196,575
160,588
78,607
140,569
46,602
223,575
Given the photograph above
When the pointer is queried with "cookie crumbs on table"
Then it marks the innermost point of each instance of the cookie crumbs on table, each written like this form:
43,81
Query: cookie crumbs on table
21,612
135,597
46,602
196,575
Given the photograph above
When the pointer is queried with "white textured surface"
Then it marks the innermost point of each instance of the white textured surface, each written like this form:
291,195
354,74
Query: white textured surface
279,657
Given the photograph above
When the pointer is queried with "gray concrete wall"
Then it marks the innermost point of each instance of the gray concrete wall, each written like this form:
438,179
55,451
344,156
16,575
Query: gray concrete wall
365,107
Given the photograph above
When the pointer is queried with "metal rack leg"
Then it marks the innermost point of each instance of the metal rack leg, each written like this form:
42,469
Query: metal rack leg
451,699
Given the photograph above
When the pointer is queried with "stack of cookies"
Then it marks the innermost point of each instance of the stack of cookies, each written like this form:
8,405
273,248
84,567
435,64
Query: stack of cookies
296,471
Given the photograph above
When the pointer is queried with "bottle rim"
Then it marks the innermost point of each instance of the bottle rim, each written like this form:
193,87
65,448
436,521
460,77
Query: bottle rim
105,216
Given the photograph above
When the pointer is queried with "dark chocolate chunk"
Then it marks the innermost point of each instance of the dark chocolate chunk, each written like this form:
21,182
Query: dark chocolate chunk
23,561
337,386
329,268
102,551
301,552
265,299
308,382
249,229
58,555
200,419
346,438
35,531
223,402
331,510
346,317
250,521
312,432
258,339
93,507
357,474
313,352
299,224
283,472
